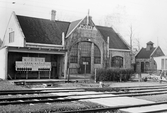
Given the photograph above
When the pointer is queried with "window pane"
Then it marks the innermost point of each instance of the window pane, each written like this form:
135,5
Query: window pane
74,54
74,50
74,59
162,64
117,61
85,49
97,55
11,37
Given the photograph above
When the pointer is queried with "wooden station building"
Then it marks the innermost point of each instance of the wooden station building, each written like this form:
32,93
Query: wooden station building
36,48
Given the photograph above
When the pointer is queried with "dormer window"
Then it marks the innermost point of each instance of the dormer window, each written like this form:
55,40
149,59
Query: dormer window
11,37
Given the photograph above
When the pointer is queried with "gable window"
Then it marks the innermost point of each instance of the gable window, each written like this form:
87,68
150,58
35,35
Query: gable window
117,61
97,56
11,37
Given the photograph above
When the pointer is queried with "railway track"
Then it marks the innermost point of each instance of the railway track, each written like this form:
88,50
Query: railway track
65,98
45,91
37,92
55,97
121,90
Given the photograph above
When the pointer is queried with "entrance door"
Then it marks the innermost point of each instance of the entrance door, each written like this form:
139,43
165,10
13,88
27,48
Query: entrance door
142,67
85,64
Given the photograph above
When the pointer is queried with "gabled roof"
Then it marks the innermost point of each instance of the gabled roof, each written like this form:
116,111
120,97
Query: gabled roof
150,42
43,31
73,25
115,41
144,54
37,30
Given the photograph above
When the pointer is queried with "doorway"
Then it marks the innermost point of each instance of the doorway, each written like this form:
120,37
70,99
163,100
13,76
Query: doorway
142,67
85,65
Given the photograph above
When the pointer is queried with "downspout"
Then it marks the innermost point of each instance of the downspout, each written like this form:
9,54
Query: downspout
108,52
6,64
63,42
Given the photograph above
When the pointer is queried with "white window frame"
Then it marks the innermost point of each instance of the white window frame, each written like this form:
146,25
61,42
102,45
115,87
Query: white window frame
11,37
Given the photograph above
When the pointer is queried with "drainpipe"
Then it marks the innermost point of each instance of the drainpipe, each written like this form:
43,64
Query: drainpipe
63,39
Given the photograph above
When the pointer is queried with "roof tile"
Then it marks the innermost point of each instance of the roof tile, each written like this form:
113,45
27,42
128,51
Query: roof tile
144,54
43,31
115,40
37,30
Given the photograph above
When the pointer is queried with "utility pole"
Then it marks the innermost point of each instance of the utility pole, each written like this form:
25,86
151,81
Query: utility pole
157,42
131,35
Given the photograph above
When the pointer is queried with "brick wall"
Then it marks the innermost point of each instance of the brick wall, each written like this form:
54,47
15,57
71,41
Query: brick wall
124,54
149,65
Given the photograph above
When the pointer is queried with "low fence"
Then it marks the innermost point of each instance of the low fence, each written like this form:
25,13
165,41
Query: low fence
150,71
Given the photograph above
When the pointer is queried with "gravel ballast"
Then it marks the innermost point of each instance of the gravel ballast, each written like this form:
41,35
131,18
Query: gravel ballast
6,85
50,107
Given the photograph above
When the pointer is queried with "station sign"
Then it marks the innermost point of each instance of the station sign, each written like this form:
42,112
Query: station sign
88,27
85,63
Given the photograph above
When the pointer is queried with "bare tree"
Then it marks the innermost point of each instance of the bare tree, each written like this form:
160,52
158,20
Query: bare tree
0,42
131,36
134,42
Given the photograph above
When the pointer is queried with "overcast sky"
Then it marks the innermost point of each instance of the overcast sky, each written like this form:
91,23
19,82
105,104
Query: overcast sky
148,18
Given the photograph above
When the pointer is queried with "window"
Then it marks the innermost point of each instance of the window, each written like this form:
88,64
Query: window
74,54
162,64
11,37
85,49
97,56
137,63
147,64
74,59
117,61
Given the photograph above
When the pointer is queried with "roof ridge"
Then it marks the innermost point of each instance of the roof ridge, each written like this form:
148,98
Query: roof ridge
143,53
43,19
104,26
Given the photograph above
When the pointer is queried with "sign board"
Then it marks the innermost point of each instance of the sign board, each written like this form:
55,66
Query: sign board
85,63
32,64
87,27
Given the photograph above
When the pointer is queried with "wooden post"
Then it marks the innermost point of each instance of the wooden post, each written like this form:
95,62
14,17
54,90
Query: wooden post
38,74
85,70
49,74
139,76
95,75
68,74
161,74
26,74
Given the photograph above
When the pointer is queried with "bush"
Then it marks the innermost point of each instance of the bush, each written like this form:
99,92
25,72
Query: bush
113,74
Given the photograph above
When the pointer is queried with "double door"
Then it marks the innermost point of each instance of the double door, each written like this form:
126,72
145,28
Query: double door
85,65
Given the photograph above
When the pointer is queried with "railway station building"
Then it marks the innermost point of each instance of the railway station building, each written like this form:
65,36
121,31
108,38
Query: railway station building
36,48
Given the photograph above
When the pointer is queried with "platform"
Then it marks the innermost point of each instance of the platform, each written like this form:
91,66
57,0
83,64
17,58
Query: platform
46,81
153,108
119,101
110,100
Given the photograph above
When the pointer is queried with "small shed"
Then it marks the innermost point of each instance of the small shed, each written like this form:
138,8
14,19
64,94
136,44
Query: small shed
144,59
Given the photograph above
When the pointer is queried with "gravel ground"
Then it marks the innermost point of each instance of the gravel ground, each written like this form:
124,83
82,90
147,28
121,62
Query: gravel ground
49,107
110,84
5,85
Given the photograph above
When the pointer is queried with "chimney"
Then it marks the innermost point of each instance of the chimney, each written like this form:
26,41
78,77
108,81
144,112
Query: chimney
149,45
53,15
